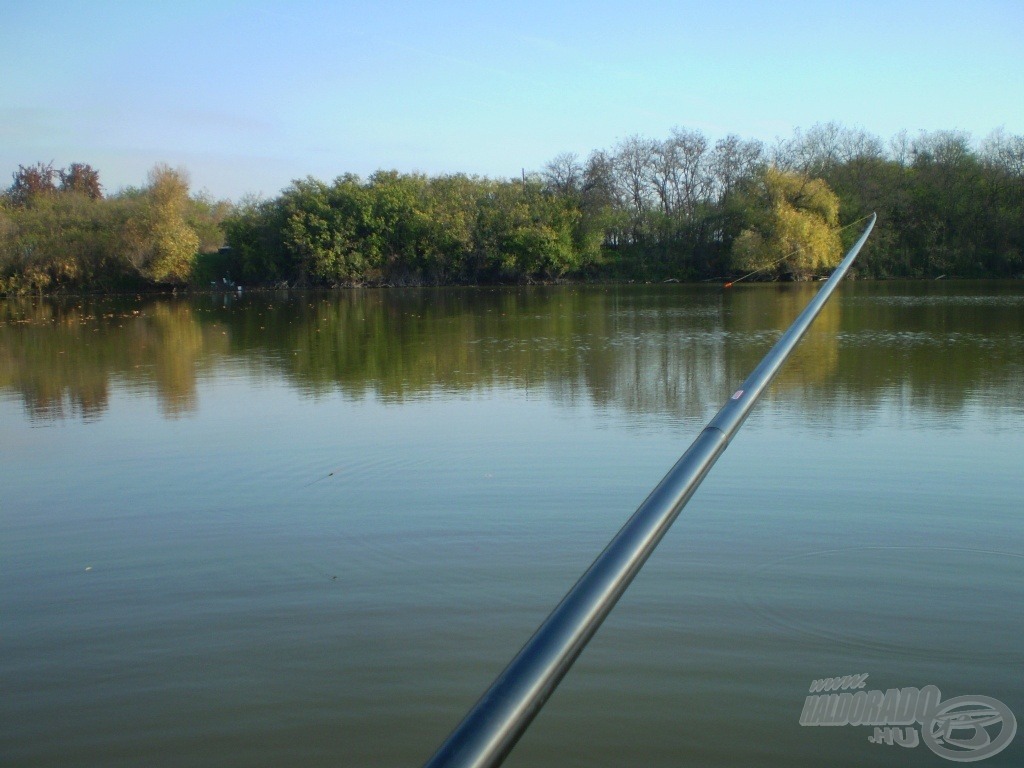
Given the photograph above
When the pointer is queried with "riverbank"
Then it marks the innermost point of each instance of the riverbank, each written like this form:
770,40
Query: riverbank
644,211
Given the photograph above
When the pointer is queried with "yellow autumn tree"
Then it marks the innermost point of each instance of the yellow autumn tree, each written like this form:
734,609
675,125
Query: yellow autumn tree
162,245
793,233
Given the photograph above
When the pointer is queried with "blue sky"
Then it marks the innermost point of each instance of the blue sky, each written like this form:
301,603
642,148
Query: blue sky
250,95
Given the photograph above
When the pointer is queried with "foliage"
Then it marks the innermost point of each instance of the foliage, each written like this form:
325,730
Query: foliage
944,206
522,232
407,228
206,218
32,183
161,245
81,179
682,208
72,238
60,242
793,232
328,231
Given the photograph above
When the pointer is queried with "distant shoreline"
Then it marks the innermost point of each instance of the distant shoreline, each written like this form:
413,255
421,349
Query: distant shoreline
191,291
647,210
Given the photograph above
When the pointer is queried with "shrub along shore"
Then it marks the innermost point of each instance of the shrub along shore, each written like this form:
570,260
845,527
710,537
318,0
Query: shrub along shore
682,208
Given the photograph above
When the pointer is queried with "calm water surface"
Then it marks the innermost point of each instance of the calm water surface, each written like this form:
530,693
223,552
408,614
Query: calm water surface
310,529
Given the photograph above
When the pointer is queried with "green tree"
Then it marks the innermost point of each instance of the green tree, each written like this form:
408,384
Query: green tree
60,242
328,230
397,222
523,232
253,231
206,217
445,225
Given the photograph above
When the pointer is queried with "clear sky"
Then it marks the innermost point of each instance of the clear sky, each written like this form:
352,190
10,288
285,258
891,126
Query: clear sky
250,95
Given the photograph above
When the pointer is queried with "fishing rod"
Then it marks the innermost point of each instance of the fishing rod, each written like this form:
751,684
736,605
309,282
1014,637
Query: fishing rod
496,722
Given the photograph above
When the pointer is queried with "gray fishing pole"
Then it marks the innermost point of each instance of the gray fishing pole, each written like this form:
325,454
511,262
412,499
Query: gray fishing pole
496,722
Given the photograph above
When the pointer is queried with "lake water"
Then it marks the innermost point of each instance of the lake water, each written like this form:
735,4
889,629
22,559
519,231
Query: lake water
310,529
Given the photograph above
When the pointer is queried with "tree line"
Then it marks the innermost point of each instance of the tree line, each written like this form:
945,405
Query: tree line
683,207
59,232
688,207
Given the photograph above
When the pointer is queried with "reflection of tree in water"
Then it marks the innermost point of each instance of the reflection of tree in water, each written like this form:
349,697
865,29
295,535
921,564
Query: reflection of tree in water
62,355
673,351
937,347
755,321
169,342
659,352
48,354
